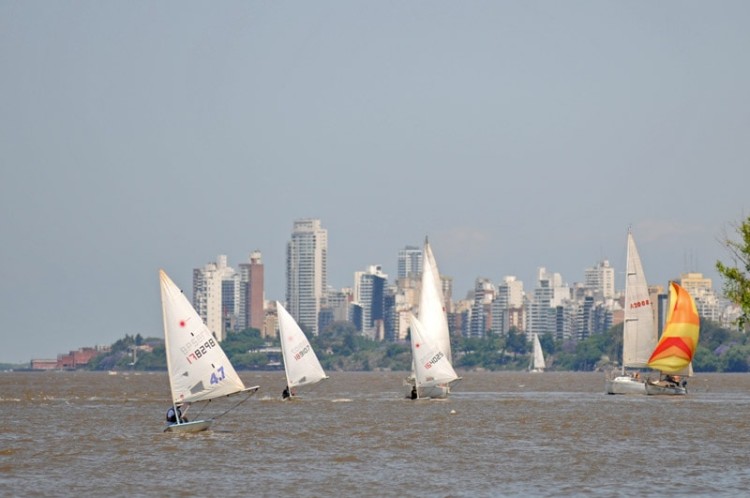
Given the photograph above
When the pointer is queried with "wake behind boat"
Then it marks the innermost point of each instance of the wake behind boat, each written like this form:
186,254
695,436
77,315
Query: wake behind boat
199,370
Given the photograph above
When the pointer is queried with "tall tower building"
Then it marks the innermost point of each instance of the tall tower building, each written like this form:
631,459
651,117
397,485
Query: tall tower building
369,294
601,279
306,272
251,293
215,294
409,262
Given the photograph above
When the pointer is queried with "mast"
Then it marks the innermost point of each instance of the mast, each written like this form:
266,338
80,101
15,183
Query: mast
279,310
162,285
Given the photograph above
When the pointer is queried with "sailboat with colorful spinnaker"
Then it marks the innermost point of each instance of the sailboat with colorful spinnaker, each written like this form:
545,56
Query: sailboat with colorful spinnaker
199,370
639,334
673,355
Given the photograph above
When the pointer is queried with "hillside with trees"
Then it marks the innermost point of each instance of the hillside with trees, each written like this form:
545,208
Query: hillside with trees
341,348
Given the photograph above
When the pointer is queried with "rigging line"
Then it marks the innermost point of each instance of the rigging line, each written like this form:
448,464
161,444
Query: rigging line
250,394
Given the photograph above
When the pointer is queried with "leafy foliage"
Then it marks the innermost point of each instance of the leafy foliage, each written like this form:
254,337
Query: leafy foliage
341,347
737,276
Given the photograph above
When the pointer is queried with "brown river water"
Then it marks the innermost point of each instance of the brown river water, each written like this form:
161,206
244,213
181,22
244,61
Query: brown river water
499,434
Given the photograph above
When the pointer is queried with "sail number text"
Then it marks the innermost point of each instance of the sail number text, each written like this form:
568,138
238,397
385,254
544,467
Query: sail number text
199,351
434,360
640,304
218,375
299,354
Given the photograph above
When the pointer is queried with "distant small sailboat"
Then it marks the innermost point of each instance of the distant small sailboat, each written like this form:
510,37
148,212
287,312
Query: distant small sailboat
537,363
301,364
198,368
638,329
433,373
673,355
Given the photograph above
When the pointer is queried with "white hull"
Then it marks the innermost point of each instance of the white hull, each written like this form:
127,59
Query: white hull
434,392
429,392
661,388
625,384
185,427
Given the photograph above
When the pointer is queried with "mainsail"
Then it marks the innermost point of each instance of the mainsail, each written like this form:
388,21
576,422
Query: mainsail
300,362
198,368
537,359
639,331
674,352
432,304
431,365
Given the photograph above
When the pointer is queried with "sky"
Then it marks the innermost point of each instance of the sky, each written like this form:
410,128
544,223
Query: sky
143,135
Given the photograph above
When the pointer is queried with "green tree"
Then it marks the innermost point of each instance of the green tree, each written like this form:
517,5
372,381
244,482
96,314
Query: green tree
737,275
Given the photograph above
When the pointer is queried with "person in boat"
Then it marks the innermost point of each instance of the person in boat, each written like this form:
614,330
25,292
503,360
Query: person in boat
285,393
414,392
173,416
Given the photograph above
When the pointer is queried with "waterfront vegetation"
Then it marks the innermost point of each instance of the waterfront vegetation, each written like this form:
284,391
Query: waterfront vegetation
341,348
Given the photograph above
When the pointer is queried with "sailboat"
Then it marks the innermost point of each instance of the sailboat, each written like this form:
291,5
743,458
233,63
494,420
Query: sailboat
197,366
433,373
639,333
537,363
673,355
433,320
301,365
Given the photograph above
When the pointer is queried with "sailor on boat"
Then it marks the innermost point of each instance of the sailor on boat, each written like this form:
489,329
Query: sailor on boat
285,393
172,417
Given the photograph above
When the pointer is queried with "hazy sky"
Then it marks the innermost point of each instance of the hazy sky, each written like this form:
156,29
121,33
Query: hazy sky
516,134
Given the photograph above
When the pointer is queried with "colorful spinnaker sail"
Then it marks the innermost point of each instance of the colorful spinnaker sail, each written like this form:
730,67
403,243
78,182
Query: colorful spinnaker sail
676,348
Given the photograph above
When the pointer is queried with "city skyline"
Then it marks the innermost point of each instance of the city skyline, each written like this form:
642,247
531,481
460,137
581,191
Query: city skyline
223,263
514,135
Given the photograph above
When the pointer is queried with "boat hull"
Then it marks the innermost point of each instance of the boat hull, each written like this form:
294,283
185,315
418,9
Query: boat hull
660,388
625,384
186,427
434,392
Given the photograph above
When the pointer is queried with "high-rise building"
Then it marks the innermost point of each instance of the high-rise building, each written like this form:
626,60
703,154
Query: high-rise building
251,313
306,272
369,294
507,308
542,314
601,280
481,314
409,262
215,294
706,300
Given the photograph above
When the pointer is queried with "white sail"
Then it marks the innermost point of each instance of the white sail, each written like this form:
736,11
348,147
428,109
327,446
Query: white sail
537,359
300,362
639,331
432,313
431,365
198,368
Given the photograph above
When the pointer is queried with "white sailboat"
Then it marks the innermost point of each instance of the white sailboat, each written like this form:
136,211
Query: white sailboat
639,334
537,363
197,366
433,373
434,321
301,365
